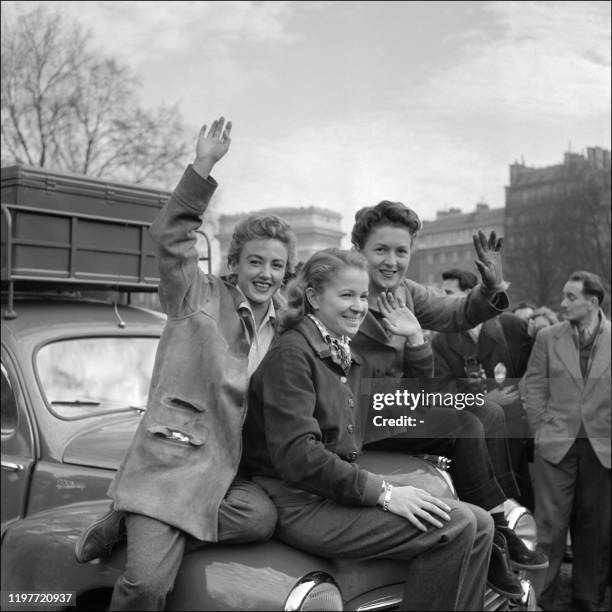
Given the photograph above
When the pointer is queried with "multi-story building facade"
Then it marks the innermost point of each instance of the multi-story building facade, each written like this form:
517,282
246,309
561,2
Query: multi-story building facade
447,241
316,228
557,220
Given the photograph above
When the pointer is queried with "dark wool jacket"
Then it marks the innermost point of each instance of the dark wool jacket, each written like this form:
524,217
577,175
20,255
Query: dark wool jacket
303,428
504,339
389,358
186,450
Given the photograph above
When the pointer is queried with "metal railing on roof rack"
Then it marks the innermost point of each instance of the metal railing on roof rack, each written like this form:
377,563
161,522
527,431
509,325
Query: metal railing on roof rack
77,250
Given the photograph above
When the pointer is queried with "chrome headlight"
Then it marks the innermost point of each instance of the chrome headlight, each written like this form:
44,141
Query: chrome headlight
522,522
314,591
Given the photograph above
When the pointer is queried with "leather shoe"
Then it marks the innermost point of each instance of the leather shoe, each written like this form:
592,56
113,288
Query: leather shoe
100,537
501,578
520,556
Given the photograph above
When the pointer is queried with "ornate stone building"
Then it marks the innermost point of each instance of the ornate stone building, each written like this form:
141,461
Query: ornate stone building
557,220
316,228
447,242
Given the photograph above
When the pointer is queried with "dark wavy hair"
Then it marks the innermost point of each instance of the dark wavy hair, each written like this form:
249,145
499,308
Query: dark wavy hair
317,272
591,284
395,214
262,227
466,279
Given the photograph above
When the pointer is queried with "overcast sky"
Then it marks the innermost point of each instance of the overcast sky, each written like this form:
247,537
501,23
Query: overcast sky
342,104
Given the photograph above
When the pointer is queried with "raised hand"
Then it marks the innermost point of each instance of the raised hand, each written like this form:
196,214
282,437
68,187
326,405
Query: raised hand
399,319
417,505
212,145
489,262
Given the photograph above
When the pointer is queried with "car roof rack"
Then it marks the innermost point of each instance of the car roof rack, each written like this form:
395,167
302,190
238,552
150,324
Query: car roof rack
75,232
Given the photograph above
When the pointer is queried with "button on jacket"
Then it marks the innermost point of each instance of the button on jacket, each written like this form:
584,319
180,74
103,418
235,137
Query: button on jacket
302,429
186,450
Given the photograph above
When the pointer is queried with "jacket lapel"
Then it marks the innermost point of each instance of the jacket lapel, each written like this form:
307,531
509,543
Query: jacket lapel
488,342
566,351
371,328
600,367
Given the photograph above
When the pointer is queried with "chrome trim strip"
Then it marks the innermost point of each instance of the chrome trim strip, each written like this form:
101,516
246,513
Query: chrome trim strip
384,603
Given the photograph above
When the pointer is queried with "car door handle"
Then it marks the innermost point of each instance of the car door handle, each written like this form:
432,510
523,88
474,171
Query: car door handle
9,466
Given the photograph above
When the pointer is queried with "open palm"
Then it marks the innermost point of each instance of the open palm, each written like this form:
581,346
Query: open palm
215,143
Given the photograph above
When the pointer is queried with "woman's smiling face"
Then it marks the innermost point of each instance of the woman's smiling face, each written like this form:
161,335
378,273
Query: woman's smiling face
388,250
342,304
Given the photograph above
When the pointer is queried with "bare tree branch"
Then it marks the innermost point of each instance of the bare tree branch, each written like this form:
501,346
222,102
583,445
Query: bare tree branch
66,107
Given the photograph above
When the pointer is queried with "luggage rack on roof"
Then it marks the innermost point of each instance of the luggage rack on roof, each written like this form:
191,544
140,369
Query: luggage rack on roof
63,249
67,231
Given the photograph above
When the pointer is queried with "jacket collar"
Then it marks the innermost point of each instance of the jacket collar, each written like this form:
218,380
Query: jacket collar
600,351
278,301
565,347
314,338
568,353
372,328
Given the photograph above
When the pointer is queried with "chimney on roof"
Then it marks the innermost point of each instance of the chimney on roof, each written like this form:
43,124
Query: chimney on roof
598,158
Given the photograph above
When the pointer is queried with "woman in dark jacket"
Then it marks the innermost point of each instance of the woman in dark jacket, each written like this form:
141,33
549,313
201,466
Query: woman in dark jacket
303,434
391,342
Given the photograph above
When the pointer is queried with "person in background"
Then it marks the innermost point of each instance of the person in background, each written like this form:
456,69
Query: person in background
543,317
302,436
179,485
491,358
523,310
567,397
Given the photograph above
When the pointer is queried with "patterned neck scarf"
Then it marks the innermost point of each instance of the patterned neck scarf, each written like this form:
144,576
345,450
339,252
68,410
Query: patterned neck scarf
340,349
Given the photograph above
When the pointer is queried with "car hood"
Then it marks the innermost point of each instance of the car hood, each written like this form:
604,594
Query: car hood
102,446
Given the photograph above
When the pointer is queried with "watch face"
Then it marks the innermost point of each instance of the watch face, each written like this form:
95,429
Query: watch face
499,372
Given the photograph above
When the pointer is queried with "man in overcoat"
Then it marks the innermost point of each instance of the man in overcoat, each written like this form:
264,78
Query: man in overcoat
567,398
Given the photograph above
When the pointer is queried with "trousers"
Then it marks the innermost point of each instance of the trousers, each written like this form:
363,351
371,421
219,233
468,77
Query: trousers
446,568
580,484
493,419
155,550
460,436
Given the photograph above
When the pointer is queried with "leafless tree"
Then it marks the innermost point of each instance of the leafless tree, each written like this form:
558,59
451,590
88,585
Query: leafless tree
68,108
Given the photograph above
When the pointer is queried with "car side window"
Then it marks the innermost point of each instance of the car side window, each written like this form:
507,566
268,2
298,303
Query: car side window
8,409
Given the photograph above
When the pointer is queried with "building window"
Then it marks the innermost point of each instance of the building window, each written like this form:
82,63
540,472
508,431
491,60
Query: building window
430,258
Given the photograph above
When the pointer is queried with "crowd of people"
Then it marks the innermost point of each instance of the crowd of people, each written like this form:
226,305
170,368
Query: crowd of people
269,374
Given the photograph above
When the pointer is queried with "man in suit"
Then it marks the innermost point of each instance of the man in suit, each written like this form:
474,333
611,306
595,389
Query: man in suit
491,357
567,398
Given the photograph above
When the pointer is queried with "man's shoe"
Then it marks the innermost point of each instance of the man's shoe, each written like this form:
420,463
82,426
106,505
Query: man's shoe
520,556
501,578
100,537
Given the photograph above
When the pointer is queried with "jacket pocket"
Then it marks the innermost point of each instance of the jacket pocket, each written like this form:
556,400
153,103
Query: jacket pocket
175,436
178,422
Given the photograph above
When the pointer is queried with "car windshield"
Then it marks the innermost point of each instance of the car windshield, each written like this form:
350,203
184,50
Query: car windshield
86,376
